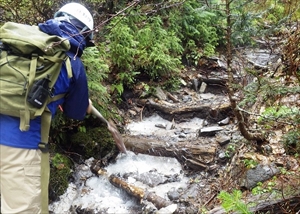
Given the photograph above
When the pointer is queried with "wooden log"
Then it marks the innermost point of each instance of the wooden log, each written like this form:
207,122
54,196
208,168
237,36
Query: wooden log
192,155
207,109
132,190
139,193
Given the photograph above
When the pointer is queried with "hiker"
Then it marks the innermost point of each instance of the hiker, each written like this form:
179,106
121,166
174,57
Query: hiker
20,156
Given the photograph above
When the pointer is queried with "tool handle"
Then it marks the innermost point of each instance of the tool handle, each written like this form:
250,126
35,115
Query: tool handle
98,115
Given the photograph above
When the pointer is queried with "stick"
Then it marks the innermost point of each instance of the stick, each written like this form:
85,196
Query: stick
113,130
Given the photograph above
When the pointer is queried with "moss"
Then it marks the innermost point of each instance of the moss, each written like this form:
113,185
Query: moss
60,172
95,142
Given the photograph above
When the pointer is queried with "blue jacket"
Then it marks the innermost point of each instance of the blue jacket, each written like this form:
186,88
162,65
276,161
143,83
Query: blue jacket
75,102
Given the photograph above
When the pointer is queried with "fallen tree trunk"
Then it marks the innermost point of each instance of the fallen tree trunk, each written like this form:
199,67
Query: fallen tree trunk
139,193
132,190
192,155
211,110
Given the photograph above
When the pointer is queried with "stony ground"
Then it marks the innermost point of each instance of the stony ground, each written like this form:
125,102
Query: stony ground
233,165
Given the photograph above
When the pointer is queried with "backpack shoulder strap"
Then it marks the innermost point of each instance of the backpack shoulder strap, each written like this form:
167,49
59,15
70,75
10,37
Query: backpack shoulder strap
25,114
44,146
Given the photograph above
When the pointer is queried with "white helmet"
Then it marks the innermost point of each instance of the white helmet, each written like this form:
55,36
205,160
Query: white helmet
79,12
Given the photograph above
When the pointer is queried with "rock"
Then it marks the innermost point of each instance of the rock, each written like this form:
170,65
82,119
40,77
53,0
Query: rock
151,178
260,173
168,210
207,96
195,84
162,126
186,98
148,207
209,131
222,156
223,139
183,82
160,94
182,135
173,195
224,122
203,87
190,193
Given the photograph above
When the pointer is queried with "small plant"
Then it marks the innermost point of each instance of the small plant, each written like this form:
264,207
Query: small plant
250,164
233,202
291,142
229,150
260,188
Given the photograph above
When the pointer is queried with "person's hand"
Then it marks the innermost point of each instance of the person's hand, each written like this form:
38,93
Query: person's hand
89,109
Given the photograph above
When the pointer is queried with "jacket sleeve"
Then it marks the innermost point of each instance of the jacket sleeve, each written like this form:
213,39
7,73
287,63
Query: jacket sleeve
77,99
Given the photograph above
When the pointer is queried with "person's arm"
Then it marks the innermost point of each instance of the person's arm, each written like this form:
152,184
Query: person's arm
77,102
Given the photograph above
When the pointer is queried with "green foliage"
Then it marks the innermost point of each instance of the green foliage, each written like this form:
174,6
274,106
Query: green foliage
280,90
275,113
250,164
160,50
260,188
250,94
60,126
291,142
233,202
60,172
245,26
140,45
197,26
97,71
230,150
171,84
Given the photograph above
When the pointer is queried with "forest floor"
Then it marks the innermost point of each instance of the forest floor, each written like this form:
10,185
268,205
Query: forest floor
223,160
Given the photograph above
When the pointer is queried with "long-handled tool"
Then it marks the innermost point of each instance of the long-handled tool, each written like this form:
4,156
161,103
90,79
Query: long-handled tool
113,130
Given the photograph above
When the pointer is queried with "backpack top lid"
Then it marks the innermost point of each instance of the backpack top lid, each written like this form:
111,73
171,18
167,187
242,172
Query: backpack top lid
27,39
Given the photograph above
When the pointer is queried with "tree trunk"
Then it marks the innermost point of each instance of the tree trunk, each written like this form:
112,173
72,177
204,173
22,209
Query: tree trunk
139,193
209,110
192,155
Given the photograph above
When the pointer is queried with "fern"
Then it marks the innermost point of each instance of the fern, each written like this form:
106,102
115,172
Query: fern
233,202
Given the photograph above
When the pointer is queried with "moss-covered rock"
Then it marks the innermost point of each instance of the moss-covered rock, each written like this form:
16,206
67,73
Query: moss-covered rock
95,142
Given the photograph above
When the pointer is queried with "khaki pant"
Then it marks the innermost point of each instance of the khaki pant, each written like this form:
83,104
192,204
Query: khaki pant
20,180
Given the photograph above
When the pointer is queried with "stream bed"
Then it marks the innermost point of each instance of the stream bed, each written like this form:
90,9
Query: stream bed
160,175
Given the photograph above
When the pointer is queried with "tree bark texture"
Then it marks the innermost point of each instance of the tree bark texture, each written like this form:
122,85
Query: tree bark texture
192,155
174,111
139,193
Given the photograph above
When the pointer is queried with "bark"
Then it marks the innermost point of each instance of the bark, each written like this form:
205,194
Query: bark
139,193
191,155
210,111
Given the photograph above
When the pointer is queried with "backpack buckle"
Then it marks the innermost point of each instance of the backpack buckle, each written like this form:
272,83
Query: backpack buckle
44,147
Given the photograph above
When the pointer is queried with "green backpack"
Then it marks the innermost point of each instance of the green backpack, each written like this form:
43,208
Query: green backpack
30,62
